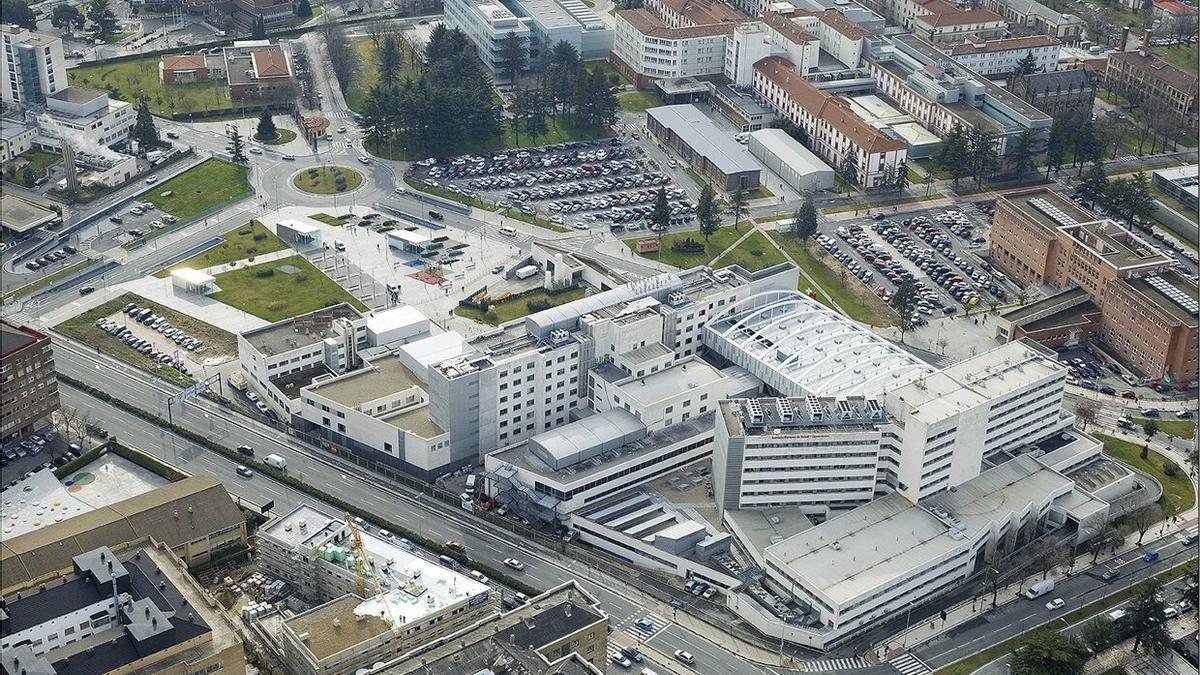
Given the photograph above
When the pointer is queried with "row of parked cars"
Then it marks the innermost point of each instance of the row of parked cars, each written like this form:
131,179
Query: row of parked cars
33,446
548,156
963,284
548,177
598,188
146,317
51,258
138,344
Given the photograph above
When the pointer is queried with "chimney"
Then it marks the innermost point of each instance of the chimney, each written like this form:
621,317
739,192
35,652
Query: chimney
1124,39
1146,40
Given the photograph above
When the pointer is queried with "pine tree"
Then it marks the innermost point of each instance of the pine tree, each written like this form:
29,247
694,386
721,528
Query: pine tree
390,60
1095,186
535,115
66,17
905,301
708,212
17,12
512,56
304,9
236,149
805,225
1024,154
848,169
104,22
266,127
259,31
1056,147
955,156
981,148
1026,66
737,203
143,128
660,216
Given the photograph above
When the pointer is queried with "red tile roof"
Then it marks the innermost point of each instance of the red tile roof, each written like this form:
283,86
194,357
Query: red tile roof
788,28
270,63
942,13
646,23
975,46
183,61
1174,7
838,21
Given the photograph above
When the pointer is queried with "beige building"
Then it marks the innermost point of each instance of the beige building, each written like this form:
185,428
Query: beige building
1147,80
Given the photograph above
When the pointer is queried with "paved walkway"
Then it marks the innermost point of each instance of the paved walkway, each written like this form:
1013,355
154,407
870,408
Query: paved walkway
258,259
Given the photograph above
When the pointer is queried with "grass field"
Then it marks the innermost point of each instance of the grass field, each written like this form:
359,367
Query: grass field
1185,429
518,307
130,79
209,184
280,295
638,101
283,136
323,180
754,253
247,241
327,219
718,242
606,68
367,75
1177,490
40,160
561,130
855,298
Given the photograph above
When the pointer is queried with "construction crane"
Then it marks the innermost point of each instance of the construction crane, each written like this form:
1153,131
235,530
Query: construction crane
360,566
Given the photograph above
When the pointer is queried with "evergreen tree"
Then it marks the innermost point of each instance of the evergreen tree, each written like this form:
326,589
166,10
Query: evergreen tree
905,301
847,169
981,147
562,72
1144,616
1047,652
66,17
535,115
1087,146
266,127
143,127
1140,204
1095,186
17,12
304,9
28,177
805,224
236,149
737,204
660,216
259,31
1056,147
708,212
1024,154
512,56
954,155
391,59
104,22
900,177
1026,66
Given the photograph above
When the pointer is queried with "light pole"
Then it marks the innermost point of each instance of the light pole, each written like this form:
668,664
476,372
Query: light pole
907,625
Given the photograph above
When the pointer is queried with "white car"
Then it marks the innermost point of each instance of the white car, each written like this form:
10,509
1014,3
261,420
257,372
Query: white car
1054,604
685,657
289,157
365,159
514,563
255,150
152,180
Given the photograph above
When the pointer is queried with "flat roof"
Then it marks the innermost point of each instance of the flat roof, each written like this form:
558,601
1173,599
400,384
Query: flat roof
400,316
548,13
1074,294
14,338
435,349
574,442
417,419
318,526
679,377
20,216
1068,316
1172,294
77,95
299,331
1022,201
1116,245
701,135
192,276
378,379
791,152
759,528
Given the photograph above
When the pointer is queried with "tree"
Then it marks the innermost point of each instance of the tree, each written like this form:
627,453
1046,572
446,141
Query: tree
1144,616
1087,146
1026,66
304,9
1144,518
143,127
1150,427
1095,185
1108,535
104,22
1056,146
1086,412
981,148
1138,205
266,130
562,73
512,56
708,212
28,177
259,30
391,59
1024,154
797,133
1099,634
805,225
905,301
342,57
236,149
737,204
1048,652
954,155
660,216
847,169
1052,554
17,12
66,17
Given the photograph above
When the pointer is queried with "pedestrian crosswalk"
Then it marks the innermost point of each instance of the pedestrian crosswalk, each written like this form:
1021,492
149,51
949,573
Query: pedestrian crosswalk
644,626
833,665
19,318
908,664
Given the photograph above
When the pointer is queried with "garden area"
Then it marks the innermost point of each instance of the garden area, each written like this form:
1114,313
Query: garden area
687,249
37,161
128,80
836,284
1184,429
755,252
207,185
327,180
508,307
241,243
1186,57
638,101
281,136
1177,488
280,289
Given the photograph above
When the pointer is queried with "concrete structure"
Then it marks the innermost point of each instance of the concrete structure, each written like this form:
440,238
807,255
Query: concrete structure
1067,95
941,93
21,218
741,107
86,118
136,609
188,280
195,517
1181,183
34,67
1030,17
645,49
702,145
488,23
570,21
839,136
1148,80
16,138
1148,310
28,382
1001,56
794,163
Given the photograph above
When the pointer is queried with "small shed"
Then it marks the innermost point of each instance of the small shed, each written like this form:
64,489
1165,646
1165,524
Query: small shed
189,280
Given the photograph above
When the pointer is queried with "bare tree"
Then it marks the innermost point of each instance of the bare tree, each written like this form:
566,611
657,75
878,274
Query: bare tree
1085,413
1107,535
1052,554
992,579
376,29
1144,518
343,59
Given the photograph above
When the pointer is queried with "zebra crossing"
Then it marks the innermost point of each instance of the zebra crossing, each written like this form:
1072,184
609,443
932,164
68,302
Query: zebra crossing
832,665
19,318
908,664
644,626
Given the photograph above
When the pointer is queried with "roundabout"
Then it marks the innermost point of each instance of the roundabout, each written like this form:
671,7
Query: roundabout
282,136
327,180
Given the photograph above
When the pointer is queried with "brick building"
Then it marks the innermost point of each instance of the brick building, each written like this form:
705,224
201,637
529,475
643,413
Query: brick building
1145,79
1063,95
28,384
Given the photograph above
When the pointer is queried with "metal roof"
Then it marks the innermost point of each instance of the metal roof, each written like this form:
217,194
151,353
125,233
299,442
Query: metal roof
586,438
703,137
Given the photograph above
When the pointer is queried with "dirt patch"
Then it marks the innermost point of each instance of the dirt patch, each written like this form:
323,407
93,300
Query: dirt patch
428,277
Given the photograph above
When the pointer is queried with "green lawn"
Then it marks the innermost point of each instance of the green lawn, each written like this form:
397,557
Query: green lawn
241,243
859,302
328,219
324,180
638,101
40,160
1177,490
207,185
1185,429
754,253
720,240
931,166
129,79
280,295
518,307
283,136
696,177
561,130
606,68
367,75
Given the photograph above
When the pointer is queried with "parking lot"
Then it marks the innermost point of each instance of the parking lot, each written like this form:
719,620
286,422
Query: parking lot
132,220
579,185
35,452
144,331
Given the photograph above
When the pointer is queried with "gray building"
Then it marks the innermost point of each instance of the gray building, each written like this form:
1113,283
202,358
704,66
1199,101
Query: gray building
488,24
794,163
710,151
570,21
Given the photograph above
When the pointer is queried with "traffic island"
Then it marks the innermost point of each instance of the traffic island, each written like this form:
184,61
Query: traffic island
281,136
327,180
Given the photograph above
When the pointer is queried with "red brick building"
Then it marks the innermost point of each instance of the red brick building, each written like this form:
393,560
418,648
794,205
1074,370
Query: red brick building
28,383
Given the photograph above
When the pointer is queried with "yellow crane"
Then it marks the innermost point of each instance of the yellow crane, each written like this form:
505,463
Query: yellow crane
360,565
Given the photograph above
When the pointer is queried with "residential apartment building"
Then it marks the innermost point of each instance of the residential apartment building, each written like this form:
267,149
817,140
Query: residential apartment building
34,66
1067,95
1000,57
488,24
28,382
837,134
1150,81
645,49
1030,17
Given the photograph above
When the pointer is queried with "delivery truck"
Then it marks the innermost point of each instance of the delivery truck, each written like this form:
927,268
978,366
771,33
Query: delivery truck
527,271
1039,589
275,462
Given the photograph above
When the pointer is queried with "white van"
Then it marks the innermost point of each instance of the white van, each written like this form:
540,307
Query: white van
275,462
471,480
508,231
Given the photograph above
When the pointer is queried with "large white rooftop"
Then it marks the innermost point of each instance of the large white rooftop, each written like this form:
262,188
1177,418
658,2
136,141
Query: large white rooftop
800,347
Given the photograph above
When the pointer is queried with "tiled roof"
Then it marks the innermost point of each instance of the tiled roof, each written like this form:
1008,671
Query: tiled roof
975,46
183,61
838,21
834,110
942,13
271,62
705,12
647,24
1158,69
1174,7
787,28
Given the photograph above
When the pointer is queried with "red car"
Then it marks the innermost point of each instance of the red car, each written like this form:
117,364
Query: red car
456,546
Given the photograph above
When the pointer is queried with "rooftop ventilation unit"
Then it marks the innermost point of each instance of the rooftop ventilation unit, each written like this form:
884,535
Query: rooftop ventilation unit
1177,296
676,298
559,337
815,410
845,410
786,412
755,410
1052,212
874,410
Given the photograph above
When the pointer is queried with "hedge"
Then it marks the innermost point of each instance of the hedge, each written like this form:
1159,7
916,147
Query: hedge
298,485
79,462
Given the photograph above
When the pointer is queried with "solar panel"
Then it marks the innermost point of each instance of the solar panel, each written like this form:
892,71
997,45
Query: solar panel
1177,296
1052,212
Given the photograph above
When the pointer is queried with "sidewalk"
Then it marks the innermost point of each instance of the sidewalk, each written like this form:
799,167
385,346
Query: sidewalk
268,257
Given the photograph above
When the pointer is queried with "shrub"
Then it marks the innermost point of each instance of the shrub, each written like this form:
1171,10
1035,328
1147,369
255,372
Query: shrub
266,272
538,305
312,173
301,278
245,232
259,236
277,306
1170,468
688,245
491,314
341,187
